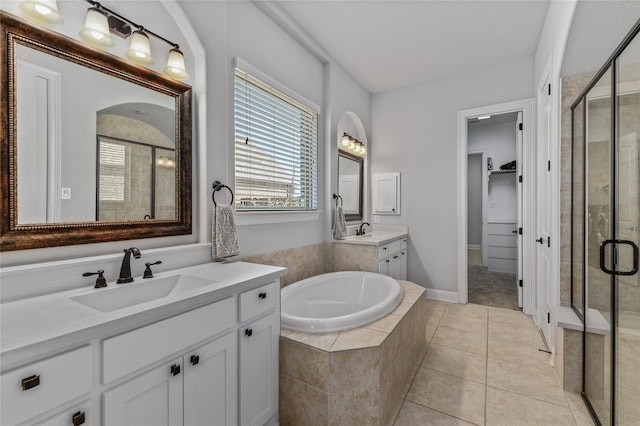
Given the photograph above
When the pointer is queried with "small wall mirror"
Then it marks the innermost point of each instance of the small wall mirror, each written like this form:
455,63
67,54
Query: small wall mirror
350,184
93,148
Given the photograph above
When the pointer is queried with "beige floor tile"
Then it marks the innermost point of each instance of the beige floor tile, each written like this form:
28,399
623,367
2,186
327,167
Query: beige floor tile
416,415
429,332
464,323
535,382
448,394
510,316
322,341
358,338
469,310
518,352
459,363
510,409
579,409
515,333
463,340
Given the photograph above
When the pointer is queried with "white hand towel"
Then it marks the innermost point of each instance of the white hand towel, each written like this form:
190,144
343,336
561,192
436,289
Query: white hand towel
223,233
339,224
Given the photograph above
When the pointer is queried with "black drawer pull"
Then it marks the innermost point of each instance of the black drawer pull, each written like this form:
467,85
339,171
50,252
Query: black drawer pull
175,369
248,332
195,359
78,418
395,257
262,295
30,382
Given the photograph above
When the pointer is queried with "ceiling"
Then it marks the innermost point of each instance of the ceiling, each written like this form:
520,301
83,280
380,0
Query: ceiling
388,44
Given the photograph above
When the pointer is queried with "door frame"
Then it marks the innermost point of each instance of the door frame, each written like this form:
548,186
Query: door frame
527,106
484,154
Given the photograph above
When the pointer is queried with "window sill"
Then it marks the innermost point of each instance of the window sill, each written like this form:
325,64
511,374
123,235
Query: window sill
260,218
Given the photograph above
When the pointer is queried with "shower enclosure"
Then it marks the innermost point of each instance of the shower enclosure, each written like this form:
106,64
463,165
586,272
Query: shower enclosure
605,234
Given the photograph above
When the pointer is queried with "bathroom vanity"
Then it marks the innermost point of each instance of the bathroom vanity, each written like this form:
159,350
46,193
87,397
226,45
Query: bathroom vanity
193,346
382,250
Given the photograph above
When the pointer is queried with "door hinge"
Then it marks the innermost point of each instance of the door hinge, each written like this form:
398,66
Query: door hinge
520,231
549,165
520,283
520,126
549,88
520,178
548,317
548,241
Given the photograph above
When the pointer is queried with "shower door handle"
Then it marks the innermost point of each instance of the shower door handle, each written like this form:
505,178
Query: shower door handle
636,257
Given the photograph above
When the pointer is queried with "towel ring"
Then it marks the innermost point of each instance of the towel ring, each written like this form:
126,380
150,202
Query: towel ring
336,197
217,186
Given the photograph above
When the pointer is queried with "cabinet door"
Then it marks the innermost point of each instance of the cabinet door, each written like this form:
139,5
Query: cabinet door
386,193
383,266
153,399
395,266
210,383
259,370
403,265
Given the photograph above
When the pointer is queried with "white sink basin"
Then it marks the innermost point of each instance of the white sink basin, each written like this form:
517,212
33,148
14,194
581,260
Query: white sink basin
125,295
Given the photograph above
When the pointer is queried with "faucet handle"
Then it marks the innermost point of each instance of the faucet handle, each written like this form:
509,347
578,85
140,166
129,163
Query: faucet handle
100,281
147,272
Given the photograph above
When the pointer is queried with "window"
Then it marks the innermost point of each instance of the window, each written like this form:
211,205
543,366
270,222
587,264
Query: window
275,148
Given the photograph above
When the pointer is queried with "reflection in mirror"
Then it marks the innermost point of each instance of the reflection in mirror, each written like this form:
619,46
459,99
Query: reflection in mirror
93,148
350,184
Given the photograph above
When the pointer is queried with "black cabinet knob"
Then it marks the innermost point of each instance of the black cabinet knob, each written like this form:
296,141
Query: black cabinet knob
262,295
248,332
540,240
175,369
30,382
195,359
78,418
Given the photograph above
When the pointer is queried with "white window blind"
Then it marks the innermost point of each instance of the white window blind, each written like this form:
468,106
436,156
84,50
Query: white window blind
113,170
275,149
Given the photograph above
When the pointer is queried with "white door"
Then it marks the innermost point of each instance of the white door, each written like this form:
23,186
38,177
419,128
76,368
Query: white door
258,370
519,195
151,399
544,213
210,383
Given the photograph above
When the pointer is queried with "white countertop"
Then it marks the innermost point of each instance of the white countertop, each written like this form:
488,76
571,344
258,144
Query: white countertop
375,238
35,327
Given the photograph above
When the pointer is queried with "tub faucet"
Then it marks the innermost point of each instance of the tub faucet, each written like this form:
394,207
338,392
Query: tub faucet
125,269
361,230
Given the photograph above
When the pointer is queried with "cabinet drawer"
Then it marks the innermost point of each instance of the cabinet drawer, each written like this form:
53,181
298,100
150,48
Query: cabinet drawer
136,349
259,300
389,248
43,385
77,415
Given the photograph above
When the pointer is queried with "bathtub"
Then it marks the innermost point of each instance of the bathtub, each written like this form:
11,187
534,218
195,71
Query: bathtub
338,301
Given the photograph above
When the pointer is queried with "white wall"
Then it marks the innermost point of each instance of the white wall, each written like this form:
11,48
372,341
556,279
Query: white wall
414,132
499,140
475,173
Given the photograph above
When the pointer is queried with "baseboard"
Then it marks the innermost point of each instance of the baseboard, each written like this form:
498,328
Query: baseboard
442,295
474,246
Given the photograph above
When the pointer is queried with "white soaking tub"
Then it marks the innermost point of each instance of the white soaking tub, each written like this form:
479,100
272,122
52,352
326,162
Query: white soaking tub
338,301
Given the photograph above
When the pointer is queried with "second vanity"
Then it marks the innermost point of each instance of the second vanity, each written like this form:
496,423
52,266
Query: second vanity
382,250
204,350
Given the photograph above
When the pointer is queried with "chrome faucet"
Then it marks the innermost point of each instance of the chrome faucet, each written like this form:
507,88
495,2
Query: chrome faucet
361,230
125,269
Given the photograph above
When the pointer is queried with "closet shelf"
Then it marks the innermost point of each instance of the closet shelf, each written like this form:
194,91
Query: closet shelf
499,172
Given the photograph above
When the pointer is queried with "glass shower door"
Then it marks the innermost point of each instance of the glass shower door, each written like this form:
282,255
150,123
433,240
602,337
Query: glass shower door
598,292
627,284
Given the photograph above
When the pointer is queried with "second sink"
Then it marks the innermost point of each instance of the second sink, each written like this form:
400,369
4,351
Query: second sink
112,299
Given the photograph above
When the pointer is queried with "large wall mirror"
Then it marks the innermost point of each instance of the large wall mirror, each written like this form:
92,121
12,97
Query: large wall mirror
93,148
350,184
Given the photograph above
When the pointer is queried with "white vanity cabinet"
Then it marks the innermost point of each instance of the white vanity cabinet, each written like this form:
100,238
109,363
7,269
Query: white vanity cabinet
392,259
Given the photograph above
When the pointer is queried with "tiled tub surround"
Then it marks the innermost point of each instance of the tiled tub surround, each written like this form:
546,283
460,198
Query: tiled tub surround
358,376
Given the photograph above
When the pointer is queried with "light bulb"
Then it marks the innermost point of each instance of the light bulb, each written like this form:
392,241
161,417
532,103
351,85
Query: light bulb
345,140
139,49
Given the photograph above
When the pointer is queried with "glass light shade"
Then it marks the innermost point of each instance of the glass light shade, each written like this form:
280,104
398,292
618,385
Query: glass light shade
139,49
175,65
96,28
345,140
363,150
352,144
42,10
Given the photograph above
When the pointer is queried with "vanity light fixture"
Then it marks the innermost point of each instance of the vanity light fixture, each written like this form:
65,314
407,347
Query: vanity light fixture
175,65
352,145
45,11
96,28
139,48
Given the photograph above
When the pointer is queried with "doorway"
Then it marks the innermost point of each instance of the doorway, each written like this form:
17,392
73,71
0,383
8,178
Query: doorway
494,256
525,178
